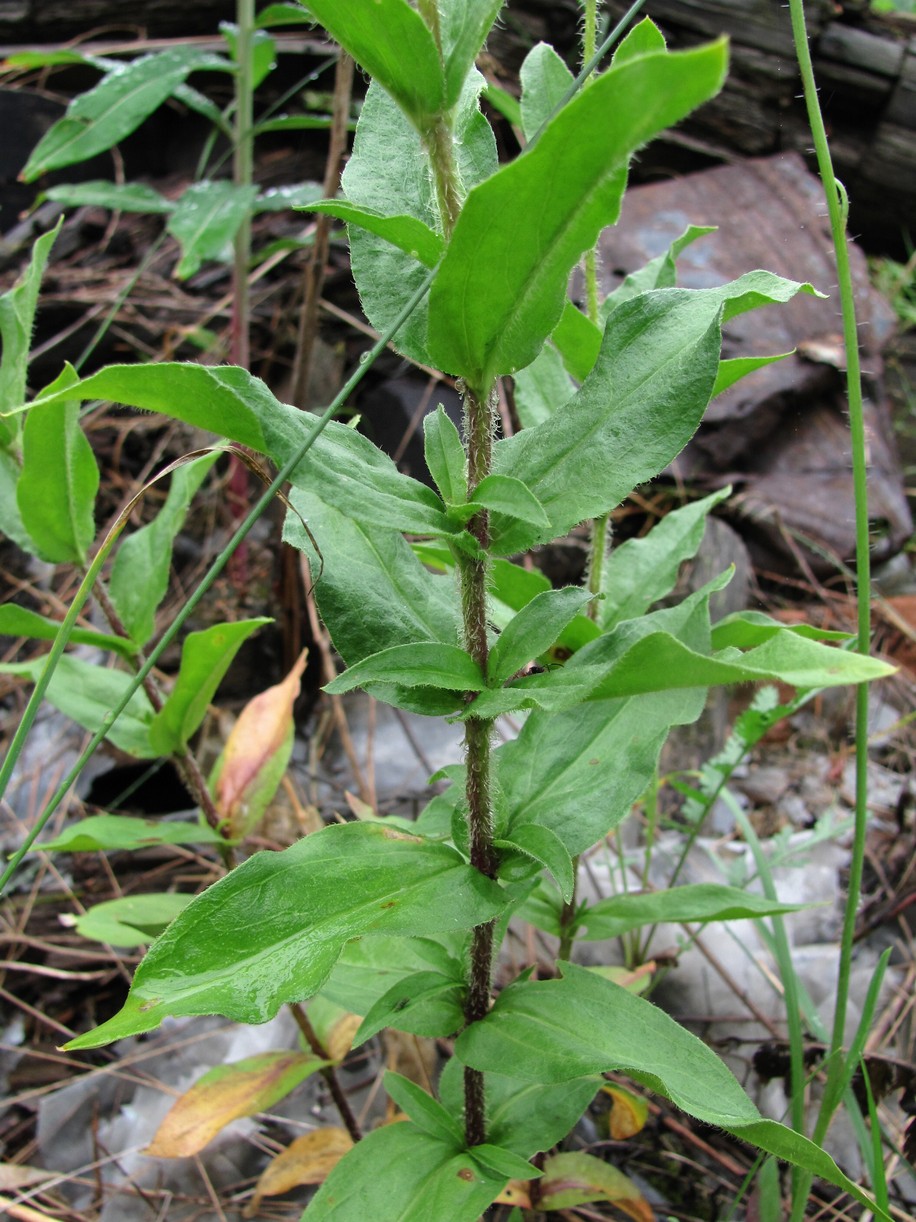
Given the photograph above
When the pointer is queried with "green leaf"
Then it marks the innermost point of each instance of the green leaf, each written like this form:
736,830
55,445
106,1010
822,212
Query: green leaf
132,920
17,621
205,658
643,39
388,172
745,629
534,630
545,847
122,196
10,517
695,902
736,368
17,318
445,457
423,1003
535,217
372,591
426,1113
636,410
639,572
542,388
524,1117
465,25
371,968
205,221
293,195
629,663
545,81
508,496
140,573
390,41
578,341
420,664
555,1030
579,773
123,833
503,1162
290,914
658,273
58,482
87,693
284,14
405,232
423,1179
116,106
261,52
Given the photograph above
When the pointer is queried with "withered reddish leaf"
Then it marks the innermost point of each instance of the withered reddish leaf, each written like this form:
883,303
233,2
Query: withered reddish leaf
256,753
574,1179
309,1160
226,1093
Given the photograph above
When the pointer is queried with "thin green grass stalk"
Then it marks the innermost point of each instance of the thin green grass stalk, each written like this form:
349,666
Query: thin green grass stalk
242,175
789,983
838,207
63,636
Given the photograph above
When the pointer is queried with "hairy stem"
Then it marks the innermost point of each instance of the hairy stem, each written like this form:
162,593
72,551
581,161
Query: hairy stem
439,145
478,423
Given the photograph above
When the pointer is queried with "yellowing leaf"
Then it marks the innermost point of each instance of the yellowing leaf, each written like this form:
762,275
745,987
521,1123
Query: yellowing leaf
629,1112
226,1093
573,1179
256,754
515,1193
309,1160
340,1037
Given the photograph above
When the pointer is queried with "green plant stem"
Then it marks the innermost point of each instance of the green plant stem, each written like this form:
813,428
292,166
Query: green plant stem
837,207
63,636
242,175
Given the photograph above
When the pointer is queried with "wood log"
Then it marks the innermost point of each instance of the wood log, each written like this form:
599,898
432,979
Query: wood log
866,70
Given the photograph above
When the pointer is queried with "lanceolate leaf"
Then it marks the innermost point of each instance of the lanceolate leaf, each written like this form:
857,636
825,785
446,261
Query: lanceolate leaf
18,621
405,232
421,664
426,1113
556,1030
545,81
17,317
117,105
533,219
445,457
371,589
206,220
58,482
140,573
639,572
695,902
123,832
533,630
87,693
424,1003
525,1117
637,409
401,1174
125,196
205,658
465,25
132,920
290,915
391,42
388,172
